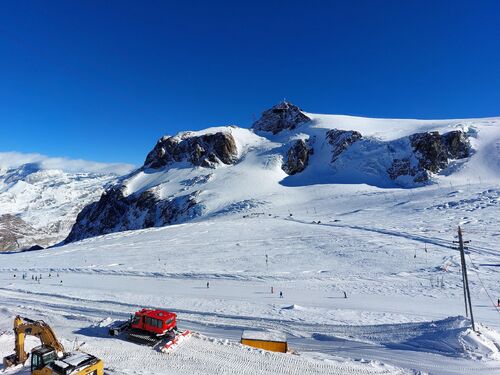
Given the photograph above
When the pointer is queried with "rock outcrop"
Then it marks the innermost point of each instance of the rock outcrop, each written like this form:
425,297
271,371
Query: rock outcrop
341,140
432,153
282,116
457,144
206,150
406,168
15,233
115,212
297,157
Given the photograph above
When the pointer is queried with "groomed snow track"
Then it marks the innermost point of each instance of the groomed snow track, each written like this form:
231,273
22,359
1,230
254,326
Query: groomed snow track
222,357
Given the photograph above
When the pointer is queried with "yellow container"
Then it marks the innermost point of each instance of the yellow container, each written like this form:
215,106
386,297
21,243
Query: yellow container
272,341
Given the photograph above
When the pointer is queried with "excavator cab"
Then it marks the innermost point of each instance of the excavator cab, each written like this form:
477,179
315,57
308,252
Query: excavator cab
50,358
42,357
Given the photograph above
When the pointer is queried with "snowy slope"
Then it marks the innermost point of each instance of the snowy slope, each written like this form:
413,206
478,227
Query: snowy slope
390,250
484,133
41,196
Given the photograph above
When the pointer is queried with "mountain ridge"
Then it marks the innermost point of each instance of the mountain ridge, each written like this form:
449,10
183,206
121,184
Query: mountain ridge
194,175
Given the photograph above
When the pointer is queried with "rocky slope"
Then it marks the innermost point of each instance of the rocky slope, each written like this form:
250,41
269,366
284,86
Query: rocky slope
117,209
230,169
40,197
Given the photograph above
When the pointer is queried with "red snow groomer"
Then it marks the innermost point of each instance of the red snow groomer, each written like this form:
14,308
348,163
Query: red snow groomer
151,327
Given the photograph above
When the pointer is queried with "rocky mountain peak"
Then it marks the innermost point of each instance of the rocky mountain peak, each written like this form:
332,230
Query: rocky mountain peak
282,116
12,175
206,150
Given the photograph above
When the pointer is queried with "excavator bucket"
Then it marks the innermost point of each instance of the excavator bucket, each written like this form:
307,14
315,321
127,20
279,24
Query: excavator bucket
10,360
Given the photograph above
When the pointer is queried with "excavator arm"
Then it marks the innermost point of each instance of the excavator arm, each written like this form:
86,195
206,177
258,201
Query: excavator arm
38,328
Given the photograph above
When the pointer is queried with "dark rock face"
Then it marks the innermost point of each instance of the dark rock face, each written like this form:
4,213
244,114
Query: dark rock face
430,151
115,212
34,247
282,116
405,167
341,140
457,144
297,157
206,150
433,152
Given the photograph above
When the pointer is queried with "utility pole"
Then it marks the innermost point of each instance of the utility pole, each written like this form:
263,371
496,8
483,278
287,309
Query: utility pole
465,279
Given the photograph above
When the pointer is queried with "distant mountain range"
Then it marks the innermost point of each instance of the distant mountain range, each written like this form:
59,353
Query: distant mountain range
41,196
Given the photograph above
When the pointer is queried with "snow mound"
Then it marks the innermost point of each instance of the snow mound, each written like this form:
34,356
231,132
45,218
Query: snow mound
451,337
483,344
293,307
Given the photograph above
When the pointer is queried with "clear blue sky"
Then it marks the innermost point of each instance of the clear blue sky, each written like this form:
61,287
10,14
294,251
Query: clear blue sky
103,80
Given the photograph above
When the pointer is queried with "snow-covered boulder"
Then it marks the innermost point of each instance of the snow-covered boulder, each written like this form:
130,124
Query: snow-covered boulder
282,116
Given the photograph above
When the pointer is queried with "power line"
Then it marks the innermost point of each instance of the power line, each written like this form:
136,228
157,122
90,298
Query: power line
484,287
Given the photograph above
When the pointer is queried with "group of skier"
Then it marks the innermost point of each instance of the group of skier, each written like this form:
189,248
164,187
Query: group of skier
36,278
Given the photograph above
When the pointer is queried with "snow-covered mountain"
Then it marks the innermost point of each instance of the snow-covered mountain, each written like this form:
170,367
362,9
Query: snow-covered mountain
41,196
310,205
226,169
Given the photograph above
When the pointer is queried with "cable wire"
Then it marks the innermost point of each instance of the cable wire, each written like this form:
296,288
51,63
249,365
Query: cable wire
484,287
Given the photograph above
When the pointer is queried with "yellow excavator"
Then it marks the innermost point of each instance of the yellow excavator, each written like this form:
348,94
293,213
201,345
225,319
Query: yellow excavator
50,357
